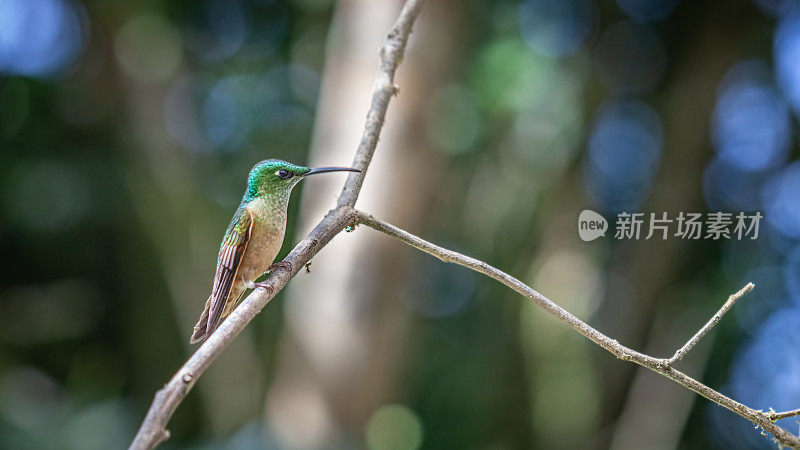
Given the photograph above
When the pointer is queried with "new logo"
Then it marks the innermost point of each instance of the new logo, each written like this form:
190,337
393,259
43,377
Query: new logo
591,225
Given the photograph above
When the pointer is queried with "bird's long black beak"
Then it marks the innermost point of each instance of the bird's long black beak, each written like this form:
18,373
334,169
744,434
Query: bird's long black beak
330,169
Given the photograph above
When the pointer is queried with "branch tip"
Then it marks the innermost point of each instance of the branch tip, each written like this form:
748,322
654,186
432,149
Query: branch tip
774,416
713,321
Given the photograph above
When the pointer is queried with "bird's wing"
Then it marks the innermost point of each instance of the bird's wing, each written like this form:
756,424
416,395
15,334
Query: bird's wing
231,252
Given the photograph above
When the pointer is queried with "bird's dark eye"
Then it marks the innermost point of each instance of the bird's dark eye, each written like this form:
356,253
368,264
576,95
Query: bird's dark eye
284,174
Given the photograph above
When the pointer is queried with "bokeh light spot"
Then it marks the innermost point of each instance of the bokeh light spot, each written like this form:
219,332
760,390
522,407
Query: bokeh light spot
751,127
29,398
235,105
556,28
624,150
40,38
221,116
100,426
48,197
565,396
500,69
455,121
148,48
544,142
781,202
219,30
394,427
182,114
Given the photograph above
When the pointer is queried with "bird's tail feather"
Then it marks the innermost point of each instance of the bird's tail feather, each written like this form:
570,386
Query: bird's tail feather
199,333
201,330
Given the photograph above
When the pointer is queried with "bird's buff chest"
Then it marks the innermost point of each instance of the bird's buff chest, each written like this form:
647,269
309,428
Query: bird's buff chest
266,238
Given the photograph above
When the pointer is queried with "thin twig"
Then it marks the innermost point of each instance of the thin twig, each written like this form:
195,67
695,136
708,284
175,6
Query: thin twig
774,416
679,354
658,365
153,429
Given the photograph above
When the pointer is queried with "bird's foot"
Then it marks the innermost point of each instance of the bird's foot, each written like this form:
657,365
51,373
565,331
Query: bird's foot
286,265
253,285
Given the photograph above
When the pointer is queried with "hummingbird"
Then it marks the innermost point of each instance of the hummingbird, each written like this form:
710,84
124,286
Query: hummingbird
253,238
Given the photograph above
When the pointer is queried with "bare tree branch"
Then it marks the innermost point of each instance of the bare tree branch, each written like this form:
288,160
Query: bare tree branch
153,429
659,365
681,352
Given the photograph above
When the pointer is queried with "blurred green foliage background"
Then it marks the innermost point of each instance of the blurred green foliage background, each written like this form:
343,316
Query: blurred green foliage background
127,130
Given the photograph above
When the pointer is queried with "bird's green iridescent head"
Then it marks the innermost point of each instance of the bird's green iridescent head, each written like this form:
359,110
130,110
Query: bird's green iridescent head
273,177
